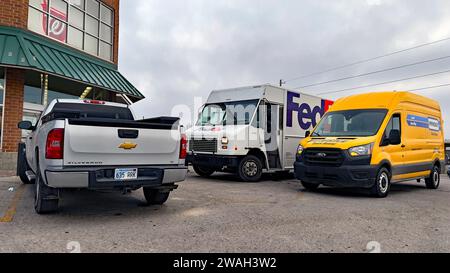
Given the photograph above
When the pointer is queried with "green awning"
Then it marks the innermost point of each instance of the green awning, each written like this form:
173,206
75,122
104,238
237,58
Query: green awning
20,48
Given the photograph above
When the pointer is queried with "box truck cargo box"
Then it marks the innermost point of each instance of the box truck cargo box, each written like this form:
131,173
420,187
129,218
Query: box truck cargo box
252,130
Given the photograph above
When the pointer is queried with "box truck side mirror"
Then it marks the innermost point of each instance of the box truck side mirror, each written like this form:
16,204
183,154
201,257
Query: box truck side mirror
307,134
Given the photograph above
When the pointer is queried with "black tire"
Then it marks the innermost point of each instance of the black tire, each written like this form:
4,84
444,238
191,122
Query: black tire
250,169
382,184
310,186
203,171
22,164
46,199
434,180
155,197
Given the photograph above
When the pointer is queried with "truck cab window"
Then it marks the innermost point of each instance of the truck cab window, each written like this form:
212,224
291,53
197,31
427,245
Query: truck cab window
260,118
269,118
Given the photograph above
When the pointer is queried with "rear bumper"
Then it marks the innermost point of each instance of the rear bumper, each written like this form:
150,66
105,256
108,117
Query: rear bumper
213,161
352,176
103,177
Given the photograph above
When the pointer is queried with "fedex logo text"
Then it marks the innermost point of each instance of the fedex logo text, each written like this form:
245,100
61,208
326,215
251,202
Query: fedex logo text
306,113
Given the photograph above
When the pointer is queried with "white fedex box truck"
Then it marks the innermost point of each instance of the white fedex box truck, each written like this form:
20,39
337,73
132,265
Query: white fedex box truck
252,130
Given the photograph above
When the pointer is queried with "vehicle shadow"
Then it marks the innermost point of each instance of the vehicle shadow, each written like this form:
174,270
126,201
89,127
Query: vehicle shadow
233,178
106,204
396,189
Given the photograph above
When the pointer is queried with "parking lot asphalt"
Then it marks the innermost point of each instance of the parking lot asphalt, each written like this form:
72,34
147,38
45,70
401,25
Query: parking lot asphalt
221,215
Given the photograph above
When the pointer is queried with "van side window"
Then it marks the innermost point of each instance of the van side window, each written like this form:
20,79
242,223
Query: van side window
394,124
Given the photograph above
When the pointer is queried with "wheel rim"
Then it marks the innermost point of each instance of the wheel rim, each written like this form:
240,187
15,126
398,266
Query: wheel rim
250,168
436,178
383,182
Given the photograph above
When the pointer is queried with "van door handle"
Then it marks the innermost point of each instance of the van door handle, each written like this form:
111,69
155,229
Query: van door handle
403,146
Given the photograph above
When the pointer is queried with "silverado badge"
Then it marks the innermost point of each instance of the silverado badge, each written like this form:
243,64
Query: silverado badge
128,146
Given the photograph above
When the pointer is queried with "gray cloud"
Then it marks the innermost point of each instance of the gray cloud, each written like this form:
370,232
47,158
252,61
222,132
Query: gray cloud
177,50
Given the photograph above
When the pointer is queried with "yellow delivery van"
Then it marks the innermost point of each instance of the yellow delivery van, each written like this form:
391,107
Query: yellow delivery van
371,140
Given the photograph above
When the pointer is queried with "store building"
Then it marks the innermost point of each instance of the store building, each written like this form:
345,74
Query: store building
56,49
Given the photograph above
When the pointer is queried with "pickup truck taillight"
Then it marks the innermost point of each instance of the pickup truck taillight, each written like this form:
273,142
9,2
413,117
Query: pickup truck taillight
55,144
183,150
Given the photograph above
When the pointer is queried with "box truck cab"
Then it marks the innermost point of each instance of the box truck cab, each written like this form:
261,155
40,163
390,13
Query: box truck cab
371,140
252,129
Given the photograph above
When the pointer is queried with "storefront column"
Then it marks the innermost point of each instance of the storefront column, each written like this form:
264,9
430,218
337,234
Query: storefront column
12,109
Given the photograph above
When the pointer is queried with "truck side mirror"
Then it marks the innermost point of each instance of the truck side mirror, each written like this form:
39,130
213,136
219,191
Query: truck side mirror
307,134
25,125
395,137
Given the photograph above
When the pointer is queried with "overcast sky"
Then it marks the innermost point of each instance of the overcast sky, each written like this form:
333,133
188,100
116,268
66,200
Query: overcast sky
176,50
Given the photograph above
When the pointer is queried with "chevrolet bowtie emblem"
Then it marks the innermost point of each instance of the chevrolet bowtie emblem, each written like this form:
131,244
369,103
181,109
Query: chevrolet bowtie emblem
128,146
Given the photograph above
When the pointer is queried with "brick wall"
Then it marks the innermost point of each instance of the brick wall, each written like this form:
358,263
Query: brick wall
14,13
13,108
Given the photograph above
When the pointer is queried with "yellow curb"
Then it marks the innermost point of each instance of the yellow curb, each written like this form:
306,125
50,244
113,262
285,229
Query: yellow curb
9,215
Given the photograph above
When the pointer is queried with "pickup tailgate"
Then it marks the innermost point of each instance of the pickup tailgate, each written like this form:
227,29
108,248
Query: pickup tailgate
94,142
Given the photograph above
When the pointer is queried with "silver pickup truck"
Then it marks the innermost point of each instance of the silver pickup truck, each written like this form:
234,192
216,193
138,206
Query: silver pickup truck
88,144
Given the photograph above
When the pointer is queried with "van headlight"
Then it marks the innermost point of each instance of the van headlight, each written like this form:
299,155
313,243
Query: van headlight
363,150
299,150
225,141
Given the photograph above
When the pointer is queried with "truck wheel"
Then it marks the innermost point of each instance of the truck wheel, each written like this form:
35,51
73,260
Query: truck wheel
22,165
203,171
434,180
310,186
250,169
382,184
155,197
46,199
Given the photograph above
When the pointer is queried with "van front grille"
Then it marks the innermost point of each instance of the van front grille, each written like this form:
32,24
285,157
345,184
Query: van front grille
203,145
323,157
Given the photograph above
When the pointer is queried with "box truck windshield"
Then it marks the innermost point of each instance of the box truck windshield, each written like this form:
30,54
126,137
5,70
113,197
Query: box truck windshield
352,123
228,113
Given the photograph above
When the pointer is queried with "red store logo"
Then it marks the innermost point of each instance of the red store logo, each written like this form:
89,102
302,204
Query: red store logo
56,28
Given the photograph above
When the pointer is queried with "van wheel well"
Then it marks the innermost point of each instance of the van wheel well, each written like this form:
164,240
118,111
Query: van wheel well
259,154
438,164
387,166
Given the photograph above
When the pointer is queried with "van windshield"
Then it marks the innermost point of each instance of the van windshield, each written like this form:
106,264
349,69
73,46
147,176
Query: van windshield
358,123
228,113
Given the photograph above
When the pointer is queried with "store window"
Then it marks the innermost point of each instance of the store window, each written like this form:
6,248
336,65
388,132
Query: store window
32,94
87,25
52,95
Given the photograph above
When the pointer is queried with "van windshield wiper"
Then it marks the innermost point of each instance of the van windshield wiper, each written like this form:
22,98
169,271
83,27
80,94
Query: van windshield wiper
316,134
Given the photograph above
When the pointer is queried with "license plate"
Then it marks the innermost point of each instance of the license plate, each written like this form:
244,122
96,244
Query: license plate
126,174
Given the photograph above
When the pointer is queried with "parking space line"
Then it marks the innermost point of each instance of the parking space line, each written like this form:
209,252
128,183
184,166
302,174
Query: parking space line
12,209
